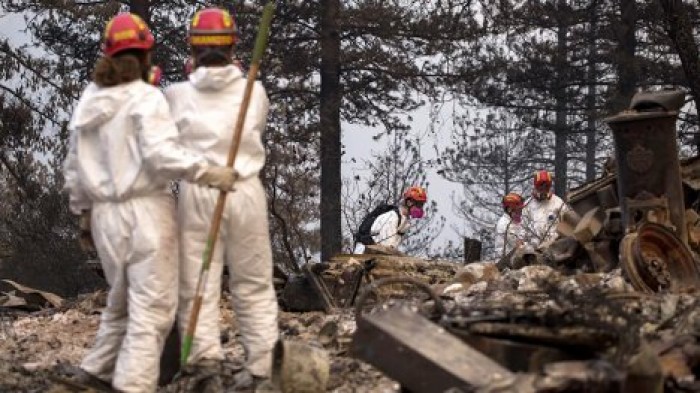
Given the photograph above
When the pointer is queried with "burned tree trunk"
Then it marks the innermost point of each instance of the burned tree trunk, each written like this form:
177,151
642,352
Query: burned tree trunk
680,31
625,55
142,9
331,231
560,132
590,99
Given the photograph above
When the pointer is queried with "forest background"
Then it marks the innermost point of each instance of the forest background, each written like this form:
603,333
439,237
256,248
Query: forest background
466,97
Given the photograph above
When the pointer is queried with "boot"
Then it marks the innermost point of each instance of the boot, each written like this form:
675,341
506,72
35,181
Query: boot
204,377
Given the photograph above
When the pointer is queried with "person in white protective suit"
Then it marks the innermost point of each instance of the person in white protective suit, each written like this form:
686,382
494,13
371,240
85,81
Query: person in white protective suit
123,152
206,108
386,225
542,212
509,229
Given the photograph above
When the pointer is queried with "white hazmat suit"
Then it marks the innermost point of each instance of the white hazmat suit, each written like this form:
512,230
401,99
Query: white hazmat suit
541,218
123,152
205,109
508,234
388,229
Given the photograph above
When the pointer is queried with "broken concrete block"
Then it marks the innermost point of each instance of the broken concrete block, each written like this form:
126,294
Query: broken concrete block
476,272
298,367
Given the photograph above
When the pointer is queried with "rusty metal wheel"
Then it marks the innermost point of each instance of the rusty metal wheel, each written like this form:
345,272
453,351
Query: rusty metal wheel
655,260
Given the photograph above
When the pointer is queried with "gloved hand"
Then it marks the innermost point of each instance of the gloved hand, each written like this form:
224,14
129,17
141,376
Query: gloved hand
221,177
85,238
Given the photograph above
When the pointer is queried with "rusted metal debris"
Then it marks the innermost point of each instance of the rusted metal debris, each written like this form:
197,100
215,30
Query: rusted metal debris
643,215
553,338
648,170
656,261
333,284
358,279
424,357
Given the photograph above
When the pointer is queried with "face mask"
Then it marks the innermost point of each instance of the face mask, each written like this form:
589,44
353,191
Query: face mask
416,212
516,217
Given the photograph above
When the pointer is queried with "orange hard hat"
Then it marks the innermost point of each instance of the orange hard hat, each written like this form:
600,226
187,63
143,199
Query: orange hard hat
416,193
126,31
212,27
512,201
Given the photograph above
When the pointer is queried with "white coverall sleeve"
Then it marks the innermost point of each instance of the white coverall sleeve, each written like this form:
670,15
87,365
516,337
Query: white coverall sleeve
77,198
159,142
262,107
385,230
499,241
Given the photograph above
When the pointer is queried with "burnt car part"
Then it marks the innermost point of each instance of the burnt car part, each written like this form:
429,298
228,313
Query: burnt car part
655,260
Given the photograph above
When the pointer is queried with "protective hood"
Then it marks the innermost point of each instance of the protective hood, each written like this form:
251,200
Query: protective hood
214,78
99,105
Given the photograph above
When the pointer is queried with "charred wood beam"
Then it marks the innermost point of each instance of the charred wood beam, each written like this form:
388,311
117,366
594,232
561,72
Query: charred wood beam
399,342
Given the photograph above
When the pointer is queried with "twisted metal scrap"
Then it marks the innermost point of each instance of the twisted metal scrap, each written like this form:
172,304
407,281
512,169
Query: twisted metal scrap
438,306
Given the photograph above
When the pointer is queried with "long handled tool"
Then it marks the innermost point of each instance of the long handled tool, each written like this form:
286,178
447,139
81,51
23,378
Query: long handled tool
260,44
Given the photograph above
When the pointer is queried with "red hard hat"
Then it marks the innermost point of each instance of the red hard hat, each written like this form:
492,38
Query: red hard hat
543,178
416,193
212,27
512,201
126,31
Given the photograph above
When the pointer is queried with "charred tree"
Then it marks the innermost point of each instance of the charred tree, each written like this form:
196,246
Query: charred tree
560,126
142,9
627,75
680,30
591,93
330,100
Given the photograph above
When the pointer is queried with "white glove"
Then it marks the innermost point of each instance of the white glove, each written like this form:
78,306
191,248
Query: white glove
221,177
